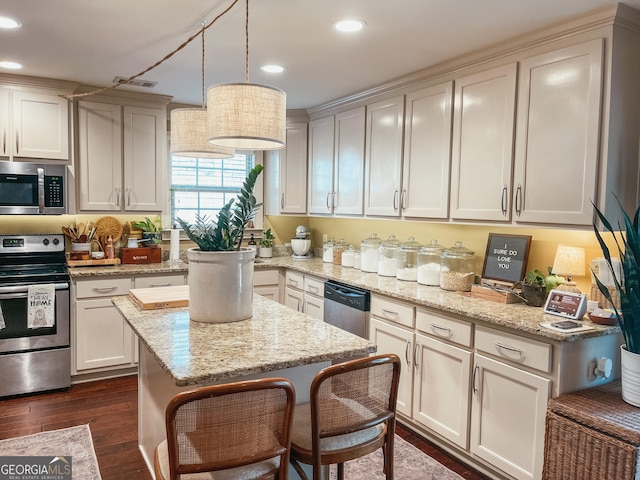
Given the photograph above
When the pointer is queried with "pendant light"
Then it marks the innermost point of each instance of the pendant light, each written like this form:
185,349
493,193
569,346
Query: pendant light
246,115
189,129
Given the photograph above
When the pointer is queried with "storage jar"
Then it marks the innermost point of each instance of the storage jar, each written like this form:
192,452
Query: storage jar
327,251
369,253
387,257
407,260
338,248
457,268
429,264
347,256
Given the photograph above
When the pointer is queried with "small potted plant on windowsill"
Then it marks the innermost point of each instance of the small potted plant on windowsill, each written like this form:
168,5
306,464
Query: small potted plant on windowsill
266,244
220,271
151,229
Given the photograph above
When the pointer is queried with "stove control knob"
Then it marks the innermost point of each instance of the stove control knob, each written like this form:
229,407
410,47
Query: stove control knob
45,242
56,241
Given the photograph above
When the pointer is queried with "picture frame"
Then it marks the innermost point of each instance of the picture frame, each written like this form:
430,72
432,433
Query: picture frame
506,257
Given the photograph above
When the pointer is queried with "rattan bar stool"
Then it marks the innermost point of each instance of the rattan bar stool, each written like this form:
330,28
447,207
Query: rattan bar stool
352,412
232,431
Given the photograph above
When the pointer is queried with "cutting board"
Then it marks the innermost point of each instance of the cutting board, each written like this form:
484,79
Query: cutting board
160,297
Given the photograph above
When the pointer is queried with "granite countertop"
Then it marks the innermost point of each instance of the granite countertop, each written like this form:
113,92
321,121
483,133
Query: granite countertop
520,317
275,338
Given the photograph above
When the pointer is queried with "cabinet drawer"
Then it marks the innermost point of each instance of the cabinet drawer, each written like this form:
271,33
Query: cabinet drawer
514,348
393,311
294,280
159,281
106,287
265,277
314,286
442,326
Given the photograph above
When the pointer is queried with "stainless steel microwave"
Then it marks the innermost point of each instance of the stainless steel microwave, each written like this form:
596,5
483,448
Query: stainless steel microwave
32,189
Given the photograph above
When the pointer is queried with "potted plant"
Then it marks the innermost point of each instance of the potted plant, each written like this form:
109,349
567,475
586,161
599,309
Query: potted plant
220,271
151,229
266,243
537,285
628,289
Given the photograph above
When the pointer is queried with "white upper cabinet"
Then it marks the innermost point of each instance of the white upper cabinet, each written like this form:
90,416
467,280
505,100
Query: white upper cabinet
321,165
482,149
33,124
427,152
348,168
383,157
557,136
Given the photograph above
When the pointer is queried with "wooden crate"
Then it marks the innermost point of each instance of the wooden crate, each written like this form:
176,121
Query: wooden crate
141,255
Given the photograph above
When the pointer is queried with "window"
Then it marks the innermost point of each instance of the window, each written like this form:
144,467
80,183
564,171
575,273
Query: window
202,186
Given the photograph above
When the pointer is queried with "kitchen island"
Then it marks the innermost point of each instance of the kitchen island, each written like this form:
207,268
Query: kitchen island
177,354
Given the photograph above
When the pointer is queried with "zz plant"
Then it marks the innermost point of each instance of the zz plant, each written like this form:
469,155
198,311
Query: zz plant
225,234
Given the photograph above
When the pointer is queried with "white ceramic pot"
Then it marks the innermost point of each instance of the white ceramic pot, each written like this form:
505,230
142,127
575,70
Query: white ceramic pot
266,252
220,285
630,376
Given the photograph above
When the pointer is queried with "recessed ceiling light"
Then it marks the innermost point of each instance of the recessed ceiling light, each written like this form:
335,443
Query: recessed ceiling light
9,23
349,25
272,68
10,65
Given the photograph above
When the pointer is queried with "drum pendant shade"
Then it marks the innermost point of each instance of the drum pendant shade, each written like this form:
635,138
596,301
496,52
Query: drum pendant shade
188,135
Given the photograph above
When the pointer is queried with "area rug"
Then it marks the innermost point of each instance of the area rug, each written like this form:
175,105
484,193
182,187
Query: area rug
74,442
410,464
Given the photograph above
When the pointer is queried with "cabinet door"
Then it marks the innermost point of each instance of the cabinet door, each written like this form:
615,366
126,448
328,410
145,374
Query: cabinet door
321,165
103,338
293,170
40,126
384,157
349,162
482,149
271,292
4,123
100,156
427,152
507,417
392,339
294,299
557,135
441,388
145,161
314,306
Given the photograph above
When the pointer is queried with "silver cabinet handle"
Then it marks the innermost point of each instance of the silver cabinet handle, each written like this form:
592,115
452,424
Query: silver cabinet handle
415,356
406,353
334,203
282,200
17,143
128,190
118,197
328,196
4,141
390,312
403,197
395,200
519,200
155,285
503,200
501,346
473,381
313,289
439,328
104,289
293,282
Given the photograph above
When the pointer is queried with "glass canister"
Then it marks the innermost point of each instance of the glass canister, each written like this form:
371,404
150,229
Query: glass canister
457,268
387,263
347,256
357,259
338,248
407,260
369,253
429,264
327,251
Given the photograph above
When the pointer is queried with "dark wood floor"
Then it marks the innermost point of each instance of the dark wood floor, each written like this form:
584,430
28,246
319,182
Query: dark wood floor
110,408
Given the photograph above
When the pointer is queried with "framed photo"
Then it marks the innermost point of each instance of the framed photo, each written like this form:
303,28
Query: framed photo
506,257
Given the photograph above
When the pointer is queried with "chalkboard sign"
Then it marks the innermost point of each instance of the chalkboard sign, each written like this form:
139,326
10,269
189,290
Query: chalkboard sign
506,257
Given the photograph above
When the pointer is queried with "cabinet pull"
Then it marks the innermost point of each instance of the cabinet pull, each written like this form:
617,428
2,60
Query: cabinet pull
17,143
128,191
155,285
389,312
501,346
395,200
406,353
473,381
4,141
403,197
313,289
118,197
293,282
435,327
519,200
503,200
328,196
415,356
334,204
104,289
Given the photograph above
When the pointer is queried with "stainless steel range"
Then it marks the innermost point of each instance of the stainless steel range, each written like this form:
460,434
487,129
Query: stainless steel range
35,353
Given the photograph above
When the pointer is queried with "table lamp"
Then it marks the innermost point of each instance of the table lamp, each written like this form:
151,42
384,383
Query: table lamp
569,262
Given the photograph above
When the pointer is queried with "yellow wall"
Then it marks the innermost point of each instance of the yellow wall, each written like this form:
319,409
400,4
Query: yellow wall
544,241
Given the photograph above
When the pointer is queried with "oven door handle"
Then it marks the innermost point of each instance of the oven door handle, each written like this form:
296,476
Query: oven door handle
13,289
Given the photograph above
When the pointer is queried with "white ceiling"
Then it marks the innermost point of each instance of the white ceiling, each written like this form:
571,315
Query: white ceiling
92,41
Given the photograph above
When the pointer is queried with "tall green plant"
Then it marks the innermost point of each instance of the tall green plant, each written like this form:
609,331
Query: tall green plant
226,233
628,287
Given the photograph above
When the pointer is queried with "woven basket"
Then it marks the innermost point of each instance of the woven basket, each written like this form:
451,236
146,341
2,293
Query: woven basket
597,295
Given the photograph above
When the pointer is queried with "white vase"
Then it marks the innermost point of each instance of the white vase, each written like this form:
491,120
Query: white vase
266,252
630,376
220,285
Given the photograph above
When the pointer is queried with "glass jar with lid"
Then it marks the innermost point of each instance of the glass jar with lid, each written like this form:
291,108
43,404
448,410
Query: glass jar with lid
338,248
387,262
407,260
457,268
347,256
327,251
429,264
369,253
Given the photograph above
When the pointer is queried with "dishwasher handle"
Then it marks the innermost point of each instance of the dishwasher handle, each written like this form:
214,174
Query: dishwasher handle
347,295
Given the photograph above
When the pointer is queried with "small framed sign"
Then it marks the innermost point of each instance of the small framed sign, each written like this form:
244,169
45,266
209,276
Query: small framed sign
506,257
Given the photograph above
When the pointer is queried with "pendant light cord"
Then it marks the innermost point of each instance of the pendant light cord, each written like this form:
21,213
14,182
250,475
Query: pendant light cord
204,27
171,54
246,42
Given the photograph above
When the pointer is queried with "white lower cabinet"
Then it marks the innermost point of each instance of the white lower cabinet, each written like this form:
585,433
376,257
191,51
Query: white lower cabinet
304,293
267,284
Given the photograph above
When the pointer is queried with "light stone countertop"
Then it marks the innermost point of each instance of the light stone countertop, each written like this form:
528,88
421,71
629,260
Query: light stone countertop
520,317
275,338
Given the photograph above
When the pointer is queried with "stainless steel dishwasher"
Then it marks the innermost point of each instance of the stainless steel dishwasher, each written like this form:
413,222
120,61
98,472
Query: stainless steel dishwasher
347,307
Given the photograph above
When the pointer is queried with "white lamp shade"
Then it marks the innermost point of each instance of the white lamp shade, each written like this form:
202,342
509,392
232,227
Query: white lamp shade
246,116
569,261
188,135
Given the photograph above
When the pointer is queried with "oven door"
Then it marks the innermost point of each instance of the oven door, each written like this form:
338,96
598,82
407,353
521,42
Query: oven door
16,336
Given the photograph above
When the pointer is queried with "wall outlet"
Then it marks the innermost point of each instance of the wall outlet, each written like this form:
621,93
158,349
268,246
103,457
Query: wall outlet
325,237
